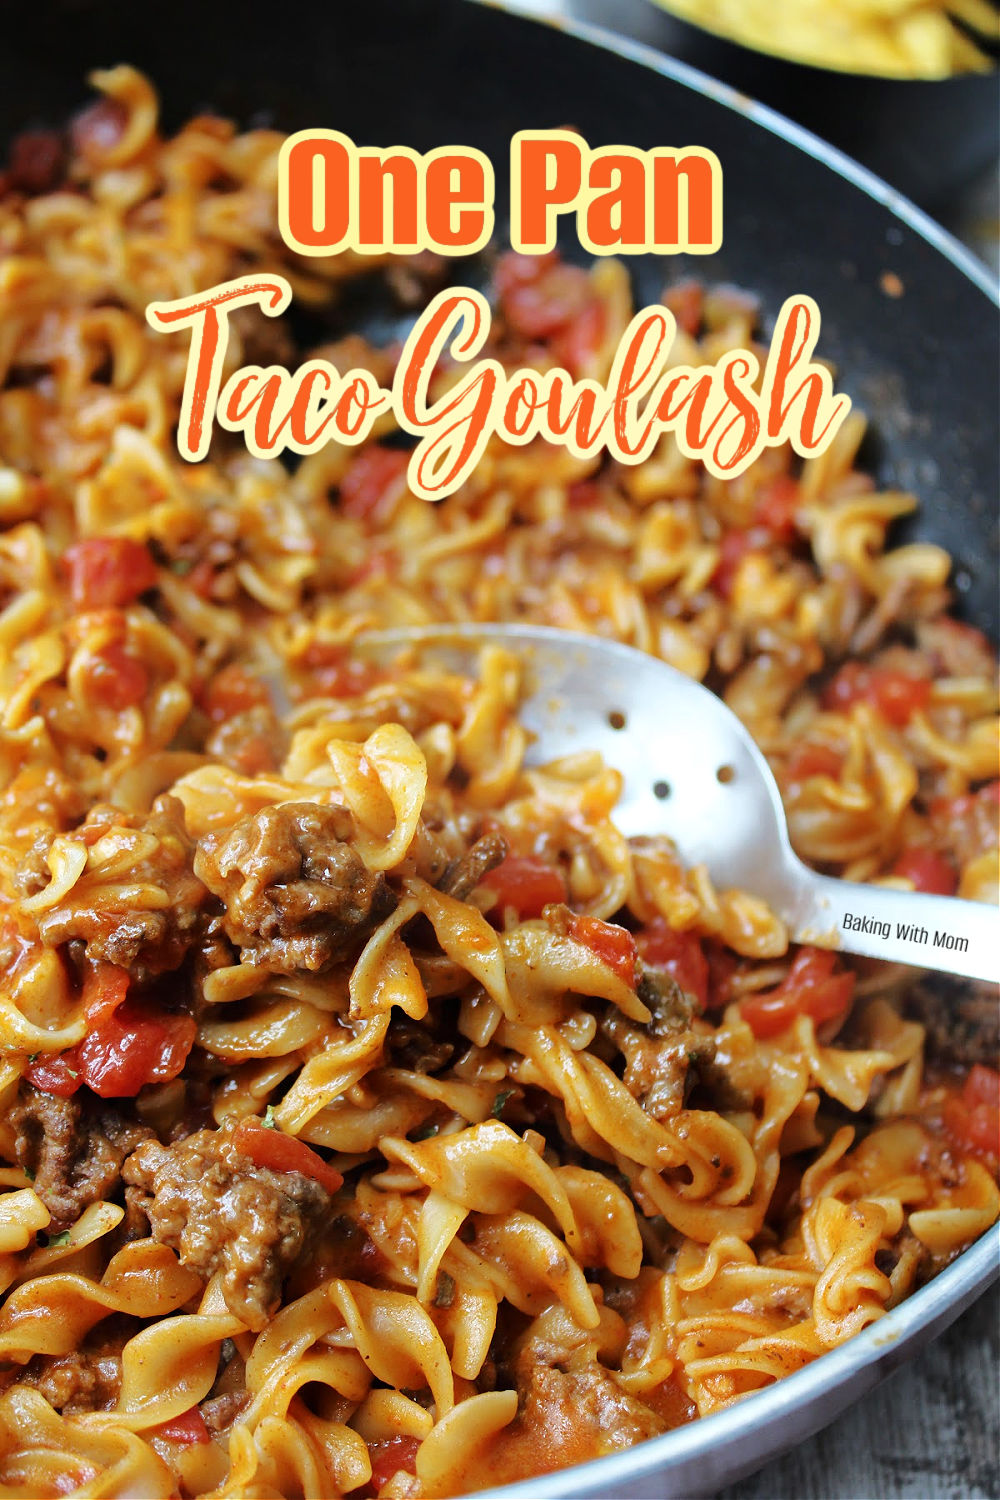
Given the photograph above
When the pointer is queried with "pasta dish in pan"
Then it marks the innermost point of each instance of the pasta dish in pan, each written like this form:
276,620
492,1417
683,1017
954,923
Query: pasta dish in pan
374,1117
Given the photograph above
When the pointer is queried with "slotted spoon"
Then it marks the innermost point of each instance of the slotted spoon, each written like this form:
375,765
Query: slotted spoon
691,771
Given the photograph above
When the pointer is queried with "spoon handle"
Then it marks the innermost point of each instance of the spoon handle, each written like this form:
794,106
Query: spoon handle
908,927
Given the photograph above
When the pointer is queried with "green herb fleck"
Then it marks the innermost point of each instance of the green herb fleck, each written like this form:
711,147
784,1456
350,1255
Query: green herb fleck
181,566
499,1102
424,1133
72,1071
444,1294
56,1240
33,1056
28,1173
269,1119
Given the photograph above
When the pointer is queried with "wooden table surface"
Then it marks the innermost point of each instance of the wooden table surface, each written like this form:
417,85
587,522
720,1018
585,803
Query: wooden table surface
929,1432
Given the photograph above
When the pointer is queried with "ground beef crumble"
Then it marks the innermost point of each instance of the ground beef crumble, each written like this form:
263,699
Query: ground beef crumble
221,1212
296,895
146,942
74,1148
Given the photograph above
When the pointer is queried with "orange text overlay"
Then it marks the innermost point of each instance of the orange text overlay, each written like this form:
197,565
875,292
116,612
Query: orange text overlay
335,196
724,414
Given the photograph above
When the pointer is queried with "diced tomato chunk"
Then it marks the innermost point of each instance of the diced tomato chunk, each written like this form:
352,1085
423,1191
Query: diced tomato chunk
573,346
391,1456
254,755
810,988
928,870
514,269
813,760
186,1430
104,989
373,482
613,945
106,572
686,300
583,494
232,691
972,1118
55,1074
379,563
273,1149
115,679
679,953
138,1043
776,505
734,548
335,674
526,884
896,695
539,295
982,1087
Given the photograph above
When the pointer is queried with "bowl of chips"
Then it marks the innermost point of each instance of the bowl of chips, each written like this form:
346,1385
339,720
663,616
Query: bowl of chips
907,39
910,88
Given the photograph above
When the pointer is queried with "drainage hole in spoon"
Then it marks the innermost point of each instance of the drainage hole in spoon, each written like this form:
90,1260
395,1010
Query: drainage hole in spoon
617,719
661,790
725,775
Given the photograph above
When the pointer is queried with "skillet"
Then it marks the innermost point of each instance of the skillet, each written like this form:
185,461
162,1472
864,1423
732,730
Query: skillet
798,218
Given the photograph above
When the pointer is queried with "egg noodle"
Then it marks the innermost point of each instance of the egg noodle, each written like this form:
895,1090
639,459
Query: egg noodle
376,1118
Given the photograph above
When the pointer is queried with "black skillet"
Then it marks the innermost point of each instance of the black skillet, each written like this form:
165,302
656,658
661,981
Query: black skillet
798,218
924,366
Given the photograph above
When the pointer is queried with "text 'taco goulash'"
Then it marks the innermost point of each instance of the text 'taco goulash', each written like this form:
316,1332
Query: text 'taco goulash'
334,196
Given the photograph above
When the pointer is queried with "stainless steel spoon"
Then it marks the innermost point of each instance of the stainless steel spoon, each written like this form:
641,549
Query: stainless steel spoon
691,771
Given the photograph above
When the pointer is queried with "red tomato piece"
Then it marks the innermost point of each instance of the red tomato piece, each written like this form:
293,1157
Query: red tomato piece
398,1453
539,307
116,679
106,572
55,1074
686,300
982,1087
613,945
186,1430
336,675
928,870
813,760
972,1118
202,578
136,1045
526,884
735,546
680,953
37,162
233,691
267,1147
254,756
372,481
395,1454
896,695
584,494
514,269
574,346
104,989
810,988
776,505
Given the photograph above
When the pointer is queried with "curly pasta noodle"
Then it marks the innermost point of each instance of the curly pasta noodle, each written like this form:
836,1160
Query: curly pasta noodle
376,1118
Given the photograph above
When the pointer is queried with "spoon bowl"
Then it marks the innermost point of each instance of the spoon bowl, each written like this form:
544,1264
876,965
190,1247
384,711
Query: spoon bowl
692,771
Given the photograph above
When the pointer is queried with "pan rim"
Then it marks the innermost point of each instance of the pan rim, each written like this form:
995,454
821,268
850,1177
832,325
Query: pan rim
884,1342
